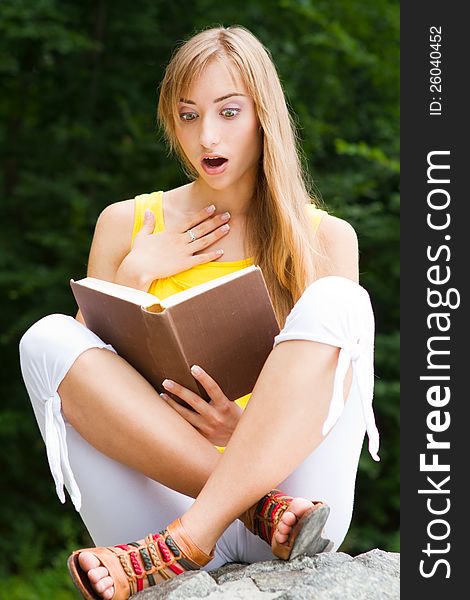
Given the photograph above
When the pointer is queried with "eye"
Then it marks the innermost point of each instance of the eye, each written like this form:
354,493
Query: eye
189,116
232,112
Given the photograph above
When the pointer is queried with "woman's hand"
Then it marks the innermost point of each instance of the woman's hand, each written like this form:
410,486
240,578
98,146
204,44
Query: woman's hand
158,255
215,420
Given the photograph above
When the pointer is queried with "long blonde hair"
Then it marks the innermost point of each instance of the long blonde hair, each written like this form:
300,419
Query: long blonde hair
279,232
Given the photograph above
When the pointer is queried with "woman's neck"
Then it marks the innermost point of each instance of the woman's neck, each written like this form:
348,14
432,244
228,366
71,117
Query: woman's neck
236,199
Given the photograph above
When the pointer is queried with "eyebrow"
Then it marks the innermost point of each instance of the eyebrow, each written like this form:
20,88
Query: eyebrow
216,100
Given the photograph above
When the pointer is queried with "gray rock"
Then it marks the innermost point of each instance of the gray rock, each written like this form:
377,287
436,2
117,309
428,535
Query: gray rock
241,590
183,587
381,561
328,576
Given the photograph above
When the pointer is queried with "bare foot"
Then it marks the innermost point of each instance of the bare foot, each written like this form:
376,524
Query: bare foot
128,568
296,510
103,584
97,574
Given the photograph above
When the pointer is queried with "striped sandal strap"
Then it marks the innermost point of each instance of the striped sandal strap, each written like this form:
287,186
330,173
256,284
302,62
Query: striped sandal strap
268,512
137,565
159,557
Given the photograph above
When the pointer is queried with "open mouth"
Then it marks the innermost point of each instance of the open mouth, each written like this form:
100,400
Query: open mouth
214,165
214,162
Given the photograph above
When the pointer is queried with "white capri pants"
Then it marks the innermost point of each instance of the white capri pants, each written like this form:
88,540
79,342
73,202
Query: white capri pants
118,504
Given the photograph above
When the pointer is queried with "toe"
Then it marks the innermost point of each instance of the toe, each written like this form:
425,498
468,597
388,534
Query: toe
288,519
108,594
95,575
283,528
280,537
103,586
297,509
87,561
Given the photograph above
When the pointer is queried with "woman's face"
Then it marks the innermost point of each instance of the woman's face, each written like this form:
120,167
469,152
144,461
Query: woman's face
218,118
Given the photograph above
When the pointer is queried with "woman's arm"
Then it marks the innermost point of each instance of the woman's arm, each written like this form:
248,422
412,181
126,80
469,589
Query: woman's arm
111,241
338,246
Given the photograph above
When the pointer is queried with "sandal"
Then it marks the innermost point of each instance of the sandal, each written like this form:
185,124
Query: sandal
305,537
159,557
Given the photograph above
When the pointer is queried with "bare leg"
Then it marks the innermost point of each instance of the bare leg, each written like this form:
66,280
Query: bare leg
279,428
119,413
128,421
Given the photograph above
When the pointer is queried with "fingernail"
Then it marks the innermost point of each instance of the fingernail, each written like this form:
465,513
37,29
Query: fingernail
210,208
220,251
225,216
196,370
167,383
164,397
225,227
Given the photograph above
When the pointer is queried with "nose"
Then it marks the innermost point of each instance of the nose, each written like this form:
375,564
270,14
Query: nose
209,134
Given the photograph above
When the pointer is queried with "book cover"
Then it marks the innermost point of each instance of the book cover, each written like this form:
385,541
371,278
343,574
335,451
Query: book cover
227,326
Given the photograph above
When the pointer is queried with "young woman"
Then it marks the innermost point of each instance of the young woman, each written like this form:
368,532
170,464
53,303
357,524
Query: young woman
132,460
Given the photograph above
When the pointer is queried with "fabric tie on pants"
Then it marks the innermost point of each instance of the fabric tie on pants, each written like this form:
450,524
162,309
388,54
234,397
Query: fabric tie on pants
337,311
57,454
362,364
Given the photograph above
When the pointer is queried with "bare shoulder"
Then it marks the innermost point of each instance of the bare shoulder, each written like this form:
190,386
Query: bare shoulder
339,245
112,239
333,230
119,217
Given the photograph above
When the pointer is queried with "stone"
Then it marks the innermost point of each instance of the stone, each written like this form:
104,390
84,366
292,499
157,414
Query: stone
183,587
327,576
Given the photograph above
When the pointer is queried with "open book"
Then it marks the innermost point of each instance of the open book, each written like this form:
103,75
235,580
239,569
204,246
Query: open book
226,325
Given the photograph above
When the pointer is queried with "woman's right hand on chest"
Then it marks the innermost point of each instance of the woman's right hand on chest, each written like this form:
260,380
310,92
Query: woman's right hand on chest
158,255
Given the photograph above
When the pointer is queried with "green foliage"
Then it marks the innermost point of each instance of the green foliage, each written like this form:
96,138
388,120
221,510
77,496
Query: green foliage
49,583
78,131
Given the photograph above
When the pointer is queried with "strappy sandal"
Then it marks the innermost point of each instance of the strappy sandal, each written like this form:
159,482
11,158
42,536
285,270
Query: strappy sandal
161,556
305,537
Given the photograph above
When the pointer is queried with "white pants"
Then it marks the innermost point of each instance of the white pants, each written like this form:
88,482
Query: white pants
118,504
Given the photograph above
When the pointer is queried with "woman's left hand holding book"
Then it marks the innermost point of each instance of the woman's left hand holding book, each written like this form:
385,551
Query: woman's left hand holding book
215,420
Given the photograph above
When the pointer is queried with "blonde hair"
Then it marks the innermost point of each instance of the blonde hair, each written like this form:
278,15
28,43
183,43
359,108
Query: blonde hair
279,233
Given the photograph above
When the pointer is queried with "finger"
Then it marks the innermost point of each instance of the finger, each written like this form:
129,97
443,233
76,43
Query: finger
192,220
208,239
189,415
200,259
211,386
194,401
149,223
209,225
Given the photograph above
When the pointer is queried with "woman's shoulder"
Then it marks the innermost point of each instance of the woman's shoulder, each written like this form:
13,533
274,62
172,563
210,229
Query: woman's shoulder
123,214
315,215
125,209
333,229
329,227
338,242
118,212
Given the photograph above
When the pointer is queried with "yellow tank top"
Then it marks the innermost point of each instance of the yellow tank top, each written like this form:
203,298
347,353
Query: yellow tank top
162,288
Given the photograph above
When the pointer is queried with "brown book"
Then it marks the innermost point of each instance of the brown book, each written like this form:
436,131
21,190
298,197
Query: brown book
226,325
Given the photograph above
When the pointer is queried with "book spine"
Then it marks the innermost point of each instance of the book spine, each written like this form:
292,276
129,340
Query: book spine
229,331
192,383
169,356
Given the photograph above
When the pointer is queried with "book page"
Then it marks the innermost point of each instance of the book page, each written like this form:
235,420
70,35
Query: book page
123,292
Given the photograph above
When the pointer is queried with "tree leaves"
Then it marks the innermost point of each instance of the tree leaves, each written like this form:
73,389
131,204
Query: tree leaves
78,131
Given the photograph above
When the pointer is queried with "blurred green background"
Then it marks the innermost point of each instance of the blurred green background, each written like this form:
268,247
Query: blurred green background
78,132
